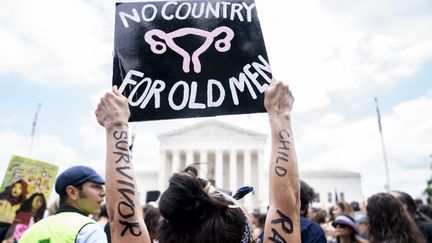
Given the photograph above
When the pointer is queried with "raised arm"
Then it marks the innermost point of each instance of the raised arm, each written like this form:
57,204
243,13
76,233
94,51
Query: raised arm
283,219
123,205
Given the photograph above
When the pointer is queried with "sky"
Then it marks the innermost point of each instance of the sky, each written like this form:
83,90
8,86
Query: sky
336,56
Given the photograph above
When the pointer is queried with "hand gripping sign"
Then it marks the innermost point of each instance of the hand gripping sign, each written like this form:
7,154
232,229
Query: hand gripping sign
176,59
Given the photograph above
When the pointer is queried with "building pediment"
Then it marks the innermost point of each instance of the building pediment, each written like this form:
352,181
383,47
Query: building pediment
211,128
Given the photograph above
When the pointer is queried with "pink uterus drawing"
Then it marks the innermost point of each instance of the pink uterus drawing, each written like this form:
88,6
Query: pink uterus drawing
158,47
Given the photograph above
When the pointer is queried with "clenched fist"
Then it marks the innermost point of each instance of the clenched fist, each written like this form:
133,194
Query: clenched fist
113,107
278,99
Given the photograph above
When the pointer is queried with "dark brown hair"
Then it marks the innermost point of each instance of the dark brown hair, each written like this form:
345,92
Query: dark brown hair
320,216
152,219
191,215
307,196
7,193
389,222
27,206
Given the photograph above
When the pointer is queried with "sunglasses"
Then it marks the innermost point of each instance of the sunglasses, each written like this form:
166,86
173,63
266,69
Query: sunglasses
343,226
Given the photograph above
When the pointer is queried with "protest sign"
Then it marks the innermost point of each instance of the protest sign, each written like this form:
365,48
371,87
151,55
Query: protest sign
177,59
24,178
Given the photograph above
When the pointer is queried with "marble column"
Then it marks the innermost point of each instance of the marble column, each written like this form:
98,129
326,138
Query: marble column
203,172
247,175
219,168
175,162
261,175
189,157
233,170
162,178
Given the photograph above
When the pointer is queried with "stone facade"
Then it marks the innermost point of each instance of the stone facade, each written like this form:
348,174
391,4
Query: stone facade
228,156
328,183
231,157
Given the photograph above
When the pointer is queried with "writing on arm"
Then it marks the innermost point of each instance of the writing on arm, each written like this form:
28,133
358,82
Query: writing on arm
286,224
125,186
282,152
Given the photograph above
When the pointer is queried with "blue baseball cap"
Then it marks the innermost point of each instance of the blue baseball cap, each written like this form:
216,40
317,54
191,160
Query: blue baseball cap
75,176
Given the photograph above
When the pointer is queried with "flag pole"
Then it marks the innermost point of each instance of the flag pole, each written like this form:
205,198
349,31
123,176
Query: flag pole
133,134
33,130
387,185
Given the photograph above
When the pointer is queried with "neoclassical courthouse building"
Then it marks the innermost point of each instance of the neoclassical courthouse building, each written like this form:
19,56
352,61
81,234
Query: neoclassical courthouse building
231,157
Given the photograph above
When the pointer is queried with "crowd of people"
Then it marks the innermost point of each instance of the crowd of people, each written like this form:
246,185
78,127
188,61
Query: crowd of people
192,210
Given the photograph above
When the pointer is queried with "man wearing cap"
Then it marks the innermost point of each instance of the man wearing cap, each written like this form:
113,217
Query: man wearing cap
81,194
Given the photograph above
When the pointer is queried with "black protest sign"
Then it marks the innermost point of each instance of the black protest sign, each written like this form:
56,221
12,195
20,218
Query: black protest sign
178,59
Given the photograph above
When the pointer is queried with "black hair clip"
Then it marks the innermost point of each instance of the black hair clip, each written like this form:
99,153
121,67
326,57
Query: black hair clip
242,191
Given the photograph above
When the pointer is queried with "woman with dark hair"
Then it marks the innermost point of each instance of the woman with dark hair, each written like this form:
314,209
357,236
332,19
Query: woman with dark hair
420,220
193,210
10,200
31,211
152,218
35,206
15,193
346,230
389,222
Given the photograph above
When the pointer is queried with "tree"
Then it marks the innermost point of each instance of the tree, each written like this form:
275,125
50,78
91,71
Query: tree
428,190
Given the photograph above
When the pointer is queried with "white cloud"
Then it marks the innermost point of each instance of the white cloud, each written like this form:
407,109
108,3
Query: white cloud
321,50
52,42
335,142
46,148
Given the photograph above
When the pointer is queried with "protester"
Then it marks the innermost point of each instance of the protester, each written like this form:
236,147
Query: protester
193,210
311,232
31,211
258,219
102,217
152,219
10,201
331,216
102,220
320,216
81,194
54,207
343,207
418,202
426,210
346,230
361,227
411,208
389,222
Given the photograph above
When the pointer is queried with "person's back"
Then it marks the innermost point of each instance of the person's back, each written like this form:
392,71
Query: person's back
426,228
311,232
426,210
62,227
